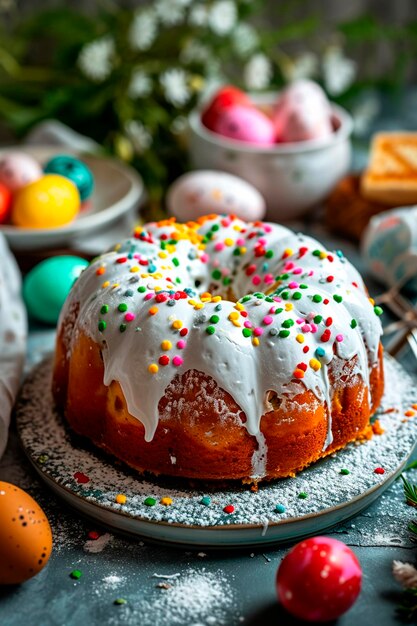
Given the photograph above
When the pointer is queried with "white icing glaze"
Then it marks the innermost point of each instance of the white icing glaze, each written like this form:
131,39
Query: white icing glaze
305,282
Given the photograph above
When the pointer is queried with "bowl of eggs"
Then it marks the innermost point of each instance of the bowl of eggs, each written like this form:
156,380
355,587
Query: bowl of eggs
293,146
49,196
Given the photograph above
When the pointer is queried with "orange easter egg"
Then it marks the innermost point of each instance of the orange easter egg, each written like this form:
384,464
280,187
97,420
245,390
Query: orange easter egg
25,536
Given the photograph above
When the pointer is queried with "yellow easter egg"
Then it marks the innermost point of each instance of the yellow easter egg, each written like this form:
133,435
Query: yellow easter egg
48,202
25,536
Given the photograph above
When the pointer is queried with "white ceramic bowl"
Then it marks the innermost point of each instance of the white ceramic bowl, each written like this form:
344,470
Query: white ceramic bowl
292,177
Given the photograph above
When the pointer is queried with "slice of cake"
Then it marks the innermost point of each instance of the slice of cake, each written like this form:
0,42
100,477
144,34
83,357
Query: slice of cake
391,176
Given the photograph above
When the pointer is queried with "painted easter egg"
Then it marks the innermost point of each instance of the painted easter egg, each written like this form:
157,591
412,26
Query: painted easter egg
49,202
303,113
46,286
319,579
248,124
76,170
5,203
389,247
207,191
224,98
18,169
25,536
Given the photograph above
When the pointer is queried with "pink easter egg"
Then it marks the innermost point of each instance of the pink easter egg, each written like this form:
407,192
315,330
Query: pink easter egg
244,123
18,169
302,113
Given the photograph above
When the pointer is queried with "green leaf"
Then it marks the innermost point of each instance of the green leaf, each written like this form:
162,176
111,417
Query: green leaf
288,32
363,28
410,492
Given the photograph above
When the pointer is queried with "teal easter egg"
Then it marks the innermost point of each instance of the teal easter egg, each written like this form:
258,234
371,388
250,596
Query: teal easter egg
47,285
74,169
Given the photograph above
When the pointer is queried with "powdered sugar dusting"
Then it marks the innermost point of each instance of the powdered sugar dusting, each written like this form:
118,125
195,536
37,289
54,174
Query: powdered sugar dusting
97,545
196,597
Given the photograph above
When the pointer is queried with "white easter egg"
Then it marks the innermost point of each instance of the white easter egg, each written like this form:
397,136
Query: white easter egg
208,191
389,247
302,113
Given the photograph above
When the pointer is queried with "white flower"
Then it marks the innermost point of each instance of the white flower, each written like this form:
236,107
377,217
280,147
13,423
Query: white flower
222,17
179,125
96,58
143,30
405,574
174,83
364,113
170,12
303,66
257,72
338,71
194,52
140,85
140,136
198,15
245,39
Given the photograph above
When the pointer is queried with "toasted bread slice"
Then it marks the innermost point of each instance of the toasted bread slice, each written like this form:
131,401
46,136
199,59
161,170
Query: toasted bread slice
391,176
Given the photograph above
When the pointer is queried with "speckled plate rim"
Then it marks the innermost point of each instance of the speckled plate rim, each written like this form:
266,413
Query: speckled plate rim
226,535
233,536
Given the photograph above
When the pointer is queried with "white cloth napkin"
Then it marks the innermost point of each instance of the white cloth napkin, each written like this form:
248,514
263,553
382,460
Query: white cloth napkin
13,333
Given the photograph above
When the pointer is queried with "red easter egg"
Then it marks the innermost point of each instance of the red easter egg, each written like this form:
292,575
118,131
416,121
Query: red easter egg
5,203
319,579
226,97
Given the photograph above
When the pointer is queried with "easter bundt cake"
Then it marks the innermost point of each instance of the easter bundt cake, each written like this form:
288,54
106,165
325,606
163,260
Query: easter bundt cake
219,349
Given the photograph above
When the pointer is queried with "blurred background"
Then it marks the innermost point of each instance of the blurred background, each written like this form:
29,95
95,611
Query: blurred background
127,73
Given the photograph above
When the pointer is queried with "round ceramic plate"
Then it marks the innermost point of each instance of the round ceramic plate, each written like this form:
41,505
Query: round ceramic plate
118,190
316,499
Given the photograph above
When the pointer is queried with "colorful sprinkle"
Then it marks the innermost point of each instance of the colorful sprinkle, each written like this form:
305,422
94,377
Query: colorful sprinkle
379,470
121,498
93,534
149,501
229,509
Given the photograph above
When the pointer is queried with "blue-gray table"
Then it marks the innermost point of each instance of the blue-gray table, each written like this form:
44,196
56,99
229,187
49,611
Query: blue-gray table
230,588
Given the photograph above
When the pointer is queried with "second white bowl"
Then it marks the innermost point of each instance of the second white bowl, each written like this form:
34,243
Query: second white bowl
292,177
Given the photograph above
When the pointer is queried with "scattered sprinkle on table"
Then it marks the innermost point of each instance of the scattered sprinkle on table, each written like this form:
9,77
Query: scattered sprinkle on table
93,534
120,601
76,574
